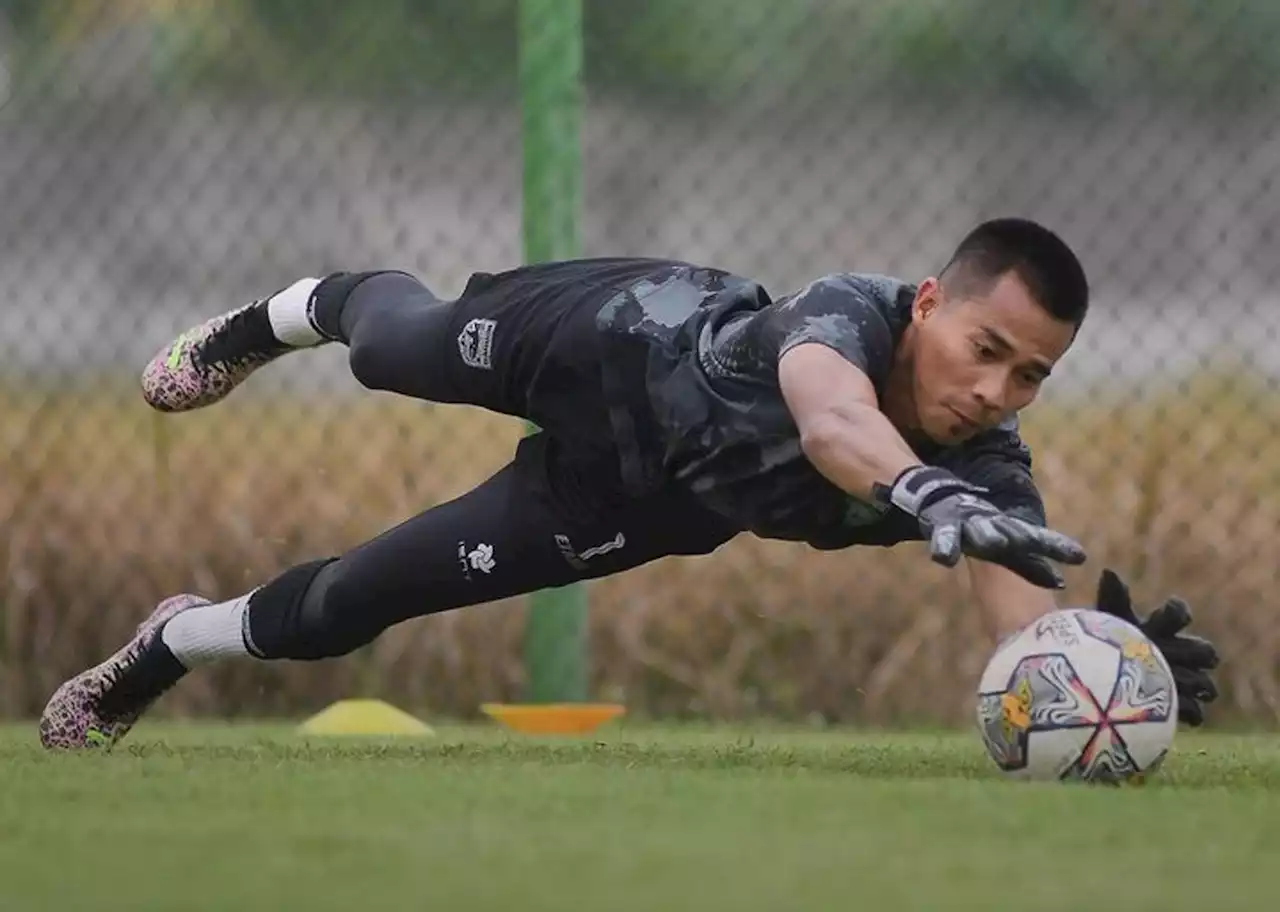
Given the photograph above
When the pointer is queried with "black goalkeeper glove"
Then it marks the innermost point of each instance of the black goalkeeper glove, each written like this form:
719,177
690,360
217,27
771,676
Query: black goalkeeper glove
957,521
1190,657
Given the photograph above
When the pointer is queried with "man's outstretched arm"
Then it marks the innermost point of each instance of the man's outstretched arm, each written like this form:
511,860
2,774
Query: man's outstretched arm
1008,602
842,430
855,446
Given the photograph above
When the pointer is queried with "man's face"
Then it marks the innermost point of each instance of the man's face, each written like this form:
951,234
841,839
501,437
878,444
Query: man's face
980,358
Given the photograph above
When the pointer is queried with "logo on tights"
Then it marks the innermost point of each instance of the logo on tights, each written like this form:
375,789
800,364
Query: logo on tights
579,560
478,558
481,558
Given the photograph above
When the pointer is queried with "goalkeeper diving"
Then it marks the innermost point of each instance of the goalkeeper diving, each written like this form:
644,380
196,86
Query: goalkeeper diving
679,406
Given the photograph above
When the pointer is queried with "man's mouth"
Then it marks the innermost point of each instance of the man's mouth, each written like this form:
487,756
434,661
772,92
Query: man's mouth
965,419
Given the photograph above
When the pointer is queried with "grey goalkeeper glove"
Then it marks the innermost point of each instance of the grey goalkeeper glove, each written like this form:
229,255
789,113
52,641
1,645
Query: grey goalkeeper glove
956,521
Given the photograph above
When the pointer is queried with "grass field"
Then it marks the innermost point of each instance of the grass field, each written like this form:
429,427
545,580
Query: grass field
255,818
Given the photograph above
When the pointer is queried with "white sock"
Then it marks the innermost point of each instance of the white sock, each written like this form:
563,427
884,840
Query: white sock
202,635
287,311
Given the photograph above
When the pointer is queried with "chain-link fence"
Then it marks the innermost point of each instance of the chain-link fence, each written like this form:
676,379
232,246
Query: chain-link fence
161,162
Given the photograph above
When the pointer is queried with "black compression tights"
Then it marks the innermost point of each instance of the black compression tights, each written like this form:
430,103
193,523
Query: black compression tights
507,537
388,320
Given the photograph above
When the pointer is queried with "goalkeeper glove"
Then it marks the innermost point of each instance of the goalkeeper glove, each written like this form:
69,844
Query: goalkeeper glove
1190,657
956,521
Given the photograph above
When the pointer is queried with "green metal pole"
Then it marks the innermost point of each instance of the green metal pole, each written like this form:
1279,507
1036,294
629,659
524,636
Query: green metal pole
551,117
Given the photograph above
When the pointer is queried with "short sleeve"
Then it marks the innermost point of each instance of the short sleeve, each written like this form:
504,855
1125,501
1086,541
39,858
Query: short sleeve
842,313
1000,461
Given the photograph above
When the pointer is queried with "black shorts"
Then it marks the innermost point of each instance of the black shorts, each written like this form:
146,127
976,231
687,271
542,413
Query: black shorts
525,343
510,536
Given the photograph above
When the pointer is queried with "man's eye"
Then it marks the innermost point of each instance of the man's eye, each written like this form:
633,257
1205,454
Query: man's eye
985,352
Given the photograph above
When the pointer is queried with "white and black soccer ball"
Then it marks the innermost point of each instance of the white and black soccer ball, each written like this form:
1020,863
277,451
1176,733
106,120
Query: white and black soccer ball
1078,695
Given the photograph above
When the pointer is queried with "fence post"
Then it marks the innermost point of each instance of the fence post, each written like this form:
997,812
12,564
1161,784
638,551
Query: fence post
550,68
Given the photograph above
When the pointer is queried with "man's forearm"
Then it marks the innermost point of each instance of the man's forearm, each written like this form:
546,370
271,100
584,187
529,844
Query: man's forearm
1007,601
837,413
857,448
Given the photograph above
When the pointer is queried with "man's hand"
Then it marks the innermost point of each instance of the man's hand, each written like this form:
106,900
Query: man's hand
957,521
1190,657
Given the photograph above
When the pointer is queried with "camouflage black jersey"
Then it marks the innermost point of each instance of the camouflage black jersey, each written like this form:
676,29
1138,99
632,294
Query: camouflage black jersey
690,372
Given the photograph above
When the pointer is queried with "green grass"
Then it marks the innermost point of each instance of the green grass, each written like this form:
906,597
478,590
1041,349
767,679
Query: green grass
254,818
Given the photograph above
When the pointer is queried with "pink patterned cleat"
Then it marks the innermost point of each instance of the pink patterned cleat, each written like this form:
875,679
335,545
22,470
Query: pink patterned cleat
96,708
207,362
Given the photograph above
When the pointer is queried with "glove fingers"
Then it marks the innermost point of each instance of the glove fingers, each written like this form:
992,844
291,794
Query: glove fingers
1168,619
1201,653
984,538
1039,571
1195,684
1023,538
1056,546
1113,597
1038,540
1188,651
944,545
1002,541
1190,712
1033,569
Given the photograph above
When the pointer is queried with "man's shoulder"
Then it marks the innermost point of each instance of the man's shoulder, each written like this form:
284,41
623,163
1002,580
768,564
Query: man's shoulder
856,295
871,286
860,315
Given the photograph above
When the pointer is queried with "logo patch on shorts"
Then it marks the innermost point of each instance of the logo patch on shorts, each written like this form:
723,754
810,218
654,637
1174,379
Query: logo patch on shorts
475,343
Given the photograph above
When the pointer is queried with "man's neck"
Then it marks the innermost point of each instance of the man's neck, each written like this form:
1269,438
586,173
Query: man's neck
898,402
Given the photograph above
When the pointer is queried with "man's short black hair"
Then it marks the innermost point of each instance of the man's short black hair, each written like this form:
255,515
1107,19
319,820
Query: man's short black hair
1037,256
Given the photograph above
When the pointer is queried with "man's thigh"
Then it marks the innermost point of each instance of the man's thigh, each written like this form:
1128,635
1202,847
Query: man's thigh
521,531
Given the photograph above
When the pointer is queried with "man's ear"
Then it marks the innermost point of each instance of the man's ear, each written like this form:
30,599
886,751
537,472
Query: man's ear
928,297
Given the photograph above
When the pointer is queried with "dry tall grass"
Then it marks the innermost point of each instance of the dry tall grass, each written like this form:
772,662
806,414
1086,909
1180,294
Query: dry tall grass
106,508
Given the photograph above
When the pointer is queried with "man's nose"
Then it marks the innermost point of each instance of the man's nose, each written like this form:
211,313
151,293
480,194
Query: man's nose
990,390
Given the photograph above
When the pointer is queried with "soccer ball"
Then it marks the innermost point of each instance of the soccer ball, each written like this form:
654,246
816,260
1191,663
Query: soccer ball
1078,695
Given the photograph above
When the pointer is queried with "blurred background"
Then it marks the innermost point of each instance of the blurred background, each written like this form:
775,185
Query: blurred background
163,161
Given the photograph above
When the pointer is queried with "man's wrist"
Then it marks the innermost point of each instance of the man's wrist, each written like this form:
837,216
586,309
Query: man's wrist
918,486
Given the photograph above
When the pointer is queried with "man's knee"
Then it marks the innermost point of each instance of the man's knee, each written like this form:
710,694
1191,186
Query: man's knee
336,616
400,353
371,363
312,611
399,349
